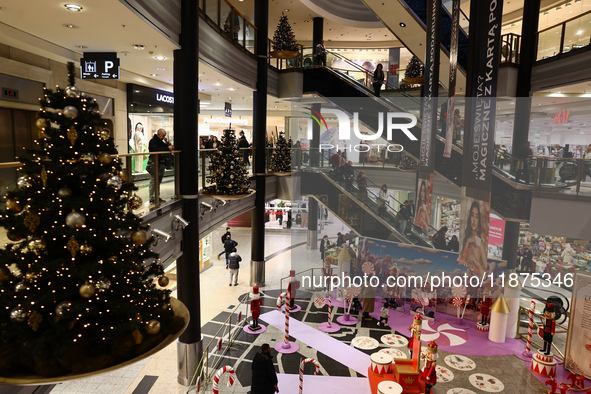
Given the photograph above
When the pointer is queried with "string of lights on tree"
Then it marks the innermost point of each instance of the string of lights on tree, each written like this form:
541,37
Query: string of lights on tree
284,38
227,169
414,69
78,280
281,158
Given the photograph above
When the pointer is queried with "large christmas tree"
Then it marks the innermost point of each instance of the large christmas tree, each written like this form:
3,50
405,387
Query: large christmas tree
227,169
284,39
414,69
281,158
76,280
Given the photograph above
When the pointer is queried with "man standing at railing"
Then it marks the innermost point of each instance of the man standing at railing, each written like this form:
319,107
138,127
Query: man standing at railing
157,145
321,54
524,156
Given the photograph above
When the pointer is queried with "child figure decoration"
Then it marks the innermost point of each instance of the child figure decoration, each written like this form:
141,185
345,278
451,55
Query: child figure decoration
255,308
549,326
485,307
415,332
429,374
384,315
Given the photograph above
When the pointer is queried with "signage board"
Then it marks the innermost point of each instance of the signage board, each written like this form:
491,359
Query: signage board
99,65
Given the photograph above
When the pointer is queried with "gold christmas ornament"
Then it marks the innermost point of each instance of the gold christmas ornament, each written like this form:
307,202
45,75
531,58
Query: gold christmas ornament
64,192
104,134
135,202
34,320
4,273
137,336
75,220
36,246
104,176
13,206
105,158
87,290
42,123
72,135
123,176
163,281
139,237
73,246
153,327
19,314
32,221
44,177
13,237
85,248
24,183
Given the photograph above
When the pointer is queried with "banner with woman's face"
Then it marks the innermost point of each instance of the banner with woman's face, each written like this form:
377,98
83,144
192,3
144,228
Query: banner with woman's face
474,226
424,197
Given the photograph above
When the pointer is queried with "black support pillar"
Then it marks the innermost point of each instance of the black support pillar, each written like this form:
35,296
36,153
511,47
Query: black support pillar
186,110
312,242
257,260
531,16
318,31
315,141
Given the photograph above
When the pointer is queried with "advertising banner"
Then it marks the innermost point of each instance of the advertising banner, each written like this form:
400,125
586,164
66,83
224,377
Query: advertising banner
577,357
423,203
453,69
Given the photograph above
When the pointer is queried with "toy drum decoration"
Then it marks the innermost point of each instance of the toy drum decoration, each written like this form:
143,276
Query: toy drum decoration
381,364
543,365
388,387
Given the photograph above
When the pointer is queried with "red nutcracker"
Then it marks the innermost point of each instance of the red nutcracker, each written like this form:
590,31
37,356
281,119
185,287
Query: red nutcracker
429,374
291,288
485,306
255,308
549,327
415,332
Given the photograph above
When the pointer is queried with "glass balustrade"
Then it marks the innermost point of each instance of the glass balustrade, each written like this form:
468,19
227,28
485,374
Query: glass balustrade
231,23
570,35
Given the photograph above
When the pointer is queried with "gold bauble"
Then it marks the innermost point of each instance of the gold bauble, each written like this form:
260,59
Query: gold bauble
36,245
13,237
13,206
4,273
87,290
105,158
163,281
42,123
139,237
153,327
123,176
134,202
85,248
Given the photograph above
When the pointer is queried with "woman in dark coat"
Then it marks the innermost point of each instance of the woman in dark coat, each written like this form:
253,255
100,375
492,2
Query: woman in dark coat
378,79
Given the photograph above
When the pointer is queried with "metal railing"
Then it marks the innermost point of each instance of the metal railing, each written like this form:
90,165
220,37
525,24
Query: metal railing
232,24
524,335
510,48
565,37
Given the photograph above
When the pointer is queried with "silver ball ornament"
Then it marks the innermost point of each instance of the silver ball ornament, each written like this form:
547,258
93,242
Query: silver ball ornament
115,182
18,314
153,327
103,284
75,219
63,307
64,192
20,286
104,134
24,182
73,92
70,112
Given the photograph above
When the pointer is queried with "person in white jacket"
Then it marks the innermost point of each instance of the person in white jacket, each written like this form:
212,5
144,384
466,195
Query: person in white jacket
568,254
383,198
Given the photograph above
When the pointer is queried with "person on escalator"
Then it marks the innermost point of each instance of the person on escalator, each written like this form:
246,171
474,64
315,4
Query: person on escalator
321,54
348,174
378,79
362,185
524,155
383,199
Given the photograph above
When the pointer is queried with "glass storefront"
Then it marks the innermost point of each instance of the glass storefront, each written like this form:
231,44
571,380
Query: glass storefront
148,110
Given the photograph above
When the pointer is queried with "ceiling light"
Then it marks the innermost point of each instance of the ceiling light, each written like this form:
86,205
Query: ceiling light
69,26
81,46
558,8
154,75
402,24
567,4
286,10
546,13
204,103
512,24
580,32
160,68
330,29
217,84
139,47
306,21
160,58
231,89
73,7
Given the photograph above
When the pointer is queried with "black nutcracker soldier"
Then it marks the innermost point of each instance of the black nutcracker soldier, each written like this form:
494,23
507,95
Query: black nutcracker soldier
548,327
485,303
255,308
429,373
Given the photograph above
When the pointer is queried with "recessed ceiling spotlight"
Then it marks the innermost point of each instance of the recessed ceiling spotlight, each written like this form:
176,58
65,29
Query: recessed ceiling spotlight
306,21
402,24
160,68
567,4
154,75
286,10
512,24
558,8
546,13
217,84
231,89
330,29
139,47
73,7
81,46
69,26
160,58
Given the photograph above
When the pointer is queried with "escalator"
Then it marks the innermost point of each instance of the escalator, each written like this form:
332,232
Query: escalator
509,199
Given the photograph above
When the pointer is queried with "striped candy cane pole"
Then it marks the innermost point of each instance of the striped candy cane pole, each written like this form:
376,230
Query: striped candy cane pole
530,328
329,308
308,360
280,299
218,375
286,342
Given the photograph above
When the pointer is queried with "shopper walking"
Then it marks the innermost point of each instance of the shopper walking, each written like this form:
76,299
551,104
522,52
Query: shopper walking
454,244
264,377
227,235
157,145
243,143
340,239
524,156
347,174
324,245
321,54
439,239
229,247
378,79
527,262
234,266
362,185
404,214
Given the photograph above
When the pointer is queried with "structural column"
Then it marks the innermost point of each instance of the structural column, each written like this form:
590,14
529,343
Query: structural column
257,258
523,101
186,107
315,141
318,31
312,243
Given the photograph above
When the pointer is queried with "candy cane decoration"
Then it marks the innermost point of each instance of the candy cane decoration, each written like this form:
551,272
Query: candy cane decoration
218,375
329,308
286,297
530,328
280,299
308,360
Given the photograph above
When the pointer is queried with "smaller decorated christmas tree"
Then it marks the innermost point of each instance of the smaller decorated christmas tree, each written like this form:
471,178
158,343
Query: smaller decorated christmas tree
407,163
414,69
227,169
281,158
284,39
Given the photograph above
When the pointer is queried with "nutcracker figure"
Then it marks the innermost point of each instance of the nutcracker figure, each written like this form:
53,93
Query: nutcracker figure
429,374
415,332
291,288
485,303
255,308
549,326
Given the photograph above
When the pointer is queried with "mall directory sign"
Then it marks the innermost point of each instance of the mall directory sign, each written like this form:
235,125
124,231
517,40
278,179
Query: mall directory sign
99,65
